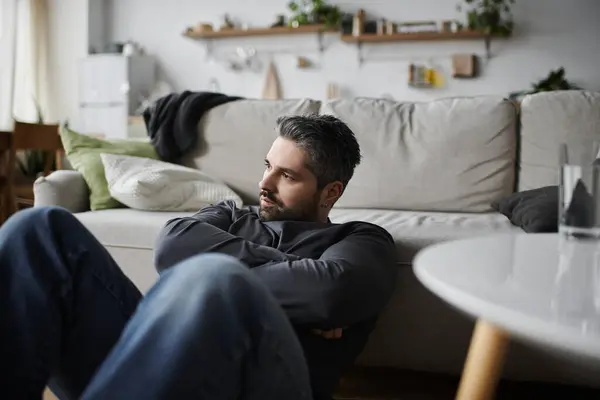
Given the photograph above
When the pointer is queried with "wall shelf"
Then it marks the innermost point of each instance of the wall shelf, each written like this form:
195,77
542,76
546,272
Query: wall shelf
250,32
414,37
209,36
417,36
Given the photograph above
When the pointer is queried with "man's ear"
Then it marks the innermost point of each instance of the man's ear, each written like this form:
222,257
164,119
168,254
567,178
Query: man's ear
331,193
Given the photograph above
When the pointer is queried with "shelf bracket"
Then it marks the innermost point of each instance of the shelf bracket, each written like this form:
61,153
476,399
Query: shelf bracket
208,49
359,51
320,41
488,46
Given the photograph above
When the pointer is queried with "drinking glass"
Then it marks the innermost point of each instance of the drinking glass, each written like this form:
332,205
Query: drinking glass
579,199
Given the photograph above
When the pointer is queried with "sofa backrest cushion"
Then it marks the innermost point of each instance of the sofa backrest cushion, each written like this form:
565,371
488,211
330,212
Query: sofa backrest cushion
234,138
455,154
547,120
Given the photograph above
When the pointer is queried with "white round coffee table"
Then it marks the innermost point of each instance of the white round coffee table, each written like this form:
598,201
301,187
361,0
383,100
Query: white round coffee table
538,287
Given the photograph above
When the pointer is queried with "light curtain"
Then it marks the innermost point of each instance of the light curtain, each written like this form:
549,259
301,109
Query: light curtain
23,60
8,13
31,60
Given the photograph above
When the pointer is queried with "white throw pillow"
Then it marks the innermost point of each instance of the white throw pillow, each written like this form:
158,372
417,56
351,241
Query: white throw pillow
146,184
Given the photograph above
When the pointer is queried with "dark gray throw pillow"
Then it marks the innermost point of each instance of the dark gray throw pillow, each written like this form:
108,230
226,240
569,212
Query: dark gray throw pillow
535,211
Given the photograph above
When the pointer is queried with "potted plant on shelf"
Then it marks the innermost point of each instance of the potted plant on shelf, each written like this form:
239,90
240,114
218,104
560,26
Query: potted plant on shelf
493,17
312,12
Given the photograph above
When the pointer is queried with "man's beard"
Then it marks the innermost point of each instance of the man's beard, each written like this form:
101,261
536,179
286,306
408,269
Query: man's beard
307,211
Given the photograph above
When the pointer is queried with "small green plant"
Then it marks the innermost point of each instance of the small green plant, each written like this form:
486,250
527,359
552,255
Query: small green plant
556,80
493,17
310,12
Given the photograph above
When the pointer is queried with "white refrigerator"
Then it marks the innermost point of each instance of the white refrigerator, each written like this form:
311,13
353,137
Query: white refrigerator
111,89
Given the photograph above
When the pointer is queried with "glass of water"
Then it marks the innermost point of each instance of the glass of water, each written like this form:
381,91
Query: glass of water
579,203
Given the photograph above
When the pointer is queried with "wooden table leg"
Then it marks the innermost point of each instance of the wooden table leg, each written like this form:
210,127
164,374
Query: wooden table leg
483,366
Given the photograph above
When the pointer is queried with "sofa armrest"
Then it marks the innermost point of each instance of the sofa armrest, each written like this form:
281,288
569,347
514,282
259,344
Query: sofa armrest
63,188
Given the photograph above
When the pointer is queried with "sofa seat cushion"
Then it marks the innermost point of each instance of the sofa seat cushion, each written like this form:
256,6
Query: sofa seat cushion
126,227
412,230
415,230
129,236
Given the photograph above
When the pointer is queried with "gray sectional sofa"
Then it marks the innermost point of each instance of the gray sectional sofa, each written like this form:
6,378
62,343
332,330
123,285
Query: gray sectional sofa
429,173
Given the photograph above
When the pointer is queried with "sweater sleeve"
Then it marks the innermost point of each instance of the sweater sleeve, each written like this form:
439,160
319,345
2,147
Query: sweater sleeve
351,282
206,232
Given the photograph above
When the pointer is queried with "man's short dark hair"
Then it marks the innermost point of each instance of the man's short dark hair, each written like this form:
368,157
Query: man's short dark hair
331,146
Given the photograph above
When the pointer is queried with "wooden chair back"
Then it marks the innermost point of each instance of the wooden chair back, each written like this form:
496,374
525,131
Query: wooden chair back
40,137
27,136
5,141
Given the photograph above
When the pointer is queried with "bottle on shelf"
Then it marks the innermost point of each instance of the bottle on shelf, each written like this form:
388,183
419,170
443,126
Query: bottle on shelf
358,25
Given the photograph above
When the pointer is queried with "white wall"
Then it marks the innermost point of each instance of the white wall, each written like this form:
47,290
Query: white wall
549,34
98,24
68,42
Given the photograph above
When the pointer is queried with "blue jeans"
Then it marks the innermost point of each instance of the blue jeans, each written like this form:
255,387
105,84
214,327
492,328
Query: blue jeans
208,329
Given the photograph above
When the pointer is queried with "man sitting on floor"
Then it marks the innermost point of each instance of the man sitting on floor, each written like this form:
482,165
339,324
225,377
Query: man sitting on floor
272,302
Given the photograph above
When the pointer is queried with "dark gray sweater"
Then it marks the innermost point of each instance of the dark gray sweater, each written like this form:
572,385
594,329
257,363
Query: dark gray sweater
324,275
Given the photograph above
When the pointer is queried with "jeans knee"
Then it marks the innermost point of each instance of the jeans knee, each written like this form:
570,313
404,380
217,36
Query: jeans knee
209,273
209,266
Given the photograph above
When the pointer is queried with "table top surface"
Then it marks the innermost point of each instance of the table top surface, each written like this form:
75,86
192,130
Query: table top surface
541,287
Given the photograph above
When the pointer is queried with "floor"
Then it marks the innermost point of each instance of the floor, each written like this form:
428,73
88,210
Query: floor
382,384
386,384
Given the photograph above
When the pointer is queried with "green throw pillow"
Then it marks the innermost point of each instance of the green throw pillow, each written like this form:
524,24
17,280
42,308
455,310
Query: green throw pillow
83,153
